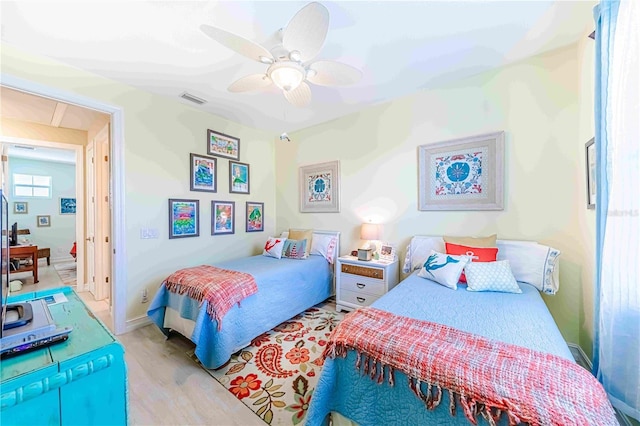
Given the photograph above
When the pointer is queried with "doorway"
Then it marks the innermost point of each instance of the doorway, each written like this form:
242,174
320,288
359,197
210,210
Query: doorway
116,289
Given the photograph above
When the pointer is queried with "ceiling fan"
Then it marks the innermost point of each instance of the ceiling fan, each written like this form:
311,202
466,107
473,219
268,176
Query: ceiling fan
289,59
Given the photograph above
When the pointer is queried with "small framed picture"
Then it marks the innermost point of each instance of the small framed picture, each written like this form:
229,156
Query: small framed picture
184,218
67,205
223,217
43,220
238,177
203,173
222,145
255,216
590,152
387,252
20,207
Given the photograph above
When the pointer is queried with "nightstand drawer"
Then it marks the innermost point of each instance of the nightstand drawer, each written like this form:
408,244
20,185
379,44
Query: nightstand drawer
355,298
365,271
360,284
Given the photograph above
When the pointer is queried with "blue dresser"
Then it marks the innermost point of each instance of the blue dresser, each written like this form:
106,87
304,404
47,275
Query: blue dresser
82,381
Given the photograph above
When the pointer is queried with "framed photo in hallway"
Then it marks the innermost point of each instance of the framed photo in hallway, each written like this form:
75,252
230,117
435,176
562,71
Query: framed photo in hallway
20,207
43,220
67,205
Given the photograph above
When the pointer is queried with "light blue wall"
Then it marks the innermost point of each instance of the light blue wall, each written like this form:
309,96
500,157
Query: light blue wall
59,237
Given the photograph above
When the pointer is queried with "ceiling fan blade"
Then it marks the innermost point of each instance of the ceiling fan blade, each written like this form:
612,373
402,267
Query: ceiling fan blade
331,73
306,31
300,96
236,43
250,82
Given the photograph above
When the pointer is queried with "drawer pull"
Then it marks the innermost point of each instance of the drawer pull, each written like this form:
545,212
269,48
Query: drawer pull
360,299
360,285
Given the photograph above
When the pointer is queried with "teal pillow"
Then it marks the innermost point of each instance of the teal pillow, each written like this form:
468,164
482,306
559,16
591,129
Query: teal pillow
295,249
491,276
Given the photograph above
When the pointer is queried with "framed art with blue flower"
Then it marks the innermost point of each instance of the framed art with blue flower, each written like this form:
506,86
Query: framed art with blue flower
320,187
462,174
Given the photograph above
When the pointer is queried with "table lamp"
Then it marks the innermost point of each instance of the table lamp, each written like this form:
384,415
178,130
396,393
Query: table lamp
369,233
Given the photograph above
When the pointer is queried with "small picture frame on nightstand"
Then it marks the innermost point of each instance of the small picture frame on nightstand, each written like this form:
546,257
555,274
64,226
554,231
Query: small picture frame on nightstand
387,252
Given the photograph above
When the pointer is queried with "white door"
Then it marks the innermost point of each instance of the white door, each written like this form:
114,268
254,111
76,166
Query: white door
91,219
102,216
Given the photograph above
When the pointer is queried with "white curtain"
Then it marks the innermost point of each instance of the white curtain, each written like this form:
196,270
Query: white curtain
617,342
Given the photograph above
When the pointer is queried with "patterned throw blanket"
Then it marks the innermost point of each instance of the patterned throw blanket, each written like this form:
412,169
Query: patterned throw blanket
486,377
221,288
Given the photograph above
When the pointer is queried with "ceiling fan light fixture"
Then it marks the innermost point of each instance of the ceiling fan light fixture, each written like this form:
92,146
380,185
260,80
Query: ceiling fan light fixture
286,75
311,73
266,60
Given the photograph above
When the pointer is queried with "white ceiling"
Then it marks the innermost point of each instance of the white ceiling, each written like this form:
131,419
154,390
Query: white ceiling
400,46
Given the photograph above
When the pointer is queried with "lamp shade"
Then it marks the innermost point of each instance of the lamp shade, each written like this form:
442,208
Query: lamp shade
369,231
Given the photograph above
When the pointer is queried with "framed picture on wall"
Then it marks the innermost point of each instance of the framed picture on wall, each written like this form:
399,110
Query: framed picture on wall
222,145
184,218
20,207
67,205
320,187
590,152
203,173
255,216
223,217
238,178
43,220
462,174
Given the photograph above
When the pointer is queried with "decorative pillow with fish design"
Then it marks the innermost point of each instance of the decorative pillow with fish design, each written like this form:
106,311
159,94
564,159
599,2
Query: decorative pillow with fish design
445,269
273,247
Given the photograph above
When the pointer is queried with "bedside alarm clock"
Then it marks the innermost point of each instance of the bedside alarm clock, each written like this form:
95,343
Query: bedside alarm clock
364,254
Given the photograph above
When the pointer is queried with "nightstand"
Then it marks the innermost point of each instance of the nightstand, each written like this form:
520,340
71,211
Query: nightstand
360,283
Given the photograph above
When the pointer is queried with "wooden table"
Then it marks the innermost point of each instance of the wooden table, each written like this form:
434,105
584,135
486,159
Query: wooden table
25,252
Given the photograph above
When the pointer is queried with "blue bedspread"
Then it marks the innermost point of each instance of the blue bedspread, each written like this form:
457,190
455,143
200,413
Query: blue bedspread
520,319
286,287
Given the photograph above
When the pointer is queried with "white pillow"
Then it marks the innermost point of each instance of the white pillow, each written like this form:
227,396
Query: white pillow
443,268
273,247
324,245
491,276
419,250
532,263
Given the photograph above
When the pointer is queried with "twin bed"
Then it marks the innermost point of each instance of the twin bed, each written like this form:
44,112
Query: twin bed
360,386
286,287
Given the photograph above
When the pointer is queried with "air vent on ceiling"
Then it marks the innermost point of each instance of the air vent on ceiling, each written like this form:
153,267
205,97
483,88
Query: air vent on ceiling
194,99
30,148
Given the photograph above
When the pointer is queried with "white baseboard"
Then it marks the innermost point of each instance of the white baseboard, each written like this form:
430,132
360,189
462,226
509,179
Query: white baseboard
136,323
584,356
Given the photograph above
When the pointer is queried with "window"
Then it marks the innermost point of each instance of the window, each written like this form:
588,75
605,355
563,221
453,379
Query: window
31,186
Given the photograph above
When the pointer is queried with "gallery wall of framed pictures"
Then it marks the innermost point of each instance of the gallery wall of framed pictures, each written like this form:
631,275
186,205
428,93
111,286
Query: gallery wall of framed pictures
184,214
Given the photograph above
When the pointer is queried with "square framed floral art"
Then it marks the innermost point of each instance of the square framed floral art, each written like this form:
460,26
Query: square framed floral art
462,174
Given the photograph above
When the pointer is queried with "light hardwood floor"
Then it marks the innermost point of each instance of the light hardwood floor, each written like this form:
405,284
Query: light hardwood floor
166,387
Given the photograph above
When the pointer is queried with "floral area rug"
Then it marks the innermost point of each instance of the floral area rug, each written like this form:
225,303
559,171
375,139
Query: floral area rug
66,272
276,375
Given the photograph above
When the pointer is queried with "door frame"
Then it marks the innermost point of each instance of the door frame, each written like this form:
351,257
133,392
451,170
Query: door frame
119,274
79,153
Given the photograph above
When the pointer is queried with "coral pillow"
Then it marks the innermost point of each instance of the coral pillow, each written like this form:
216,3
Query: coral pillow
476,254
273,247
